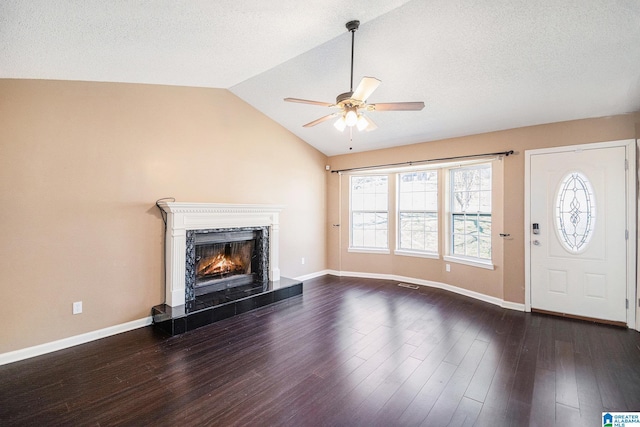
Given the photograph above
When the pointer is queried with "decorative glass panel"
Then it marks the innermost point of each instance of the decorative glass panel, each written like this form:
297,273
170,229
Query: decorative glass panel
575,212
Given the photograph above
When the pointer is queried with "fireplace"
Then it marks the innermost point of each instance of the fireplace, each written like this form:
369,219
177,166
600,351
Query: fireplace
210,227
221,261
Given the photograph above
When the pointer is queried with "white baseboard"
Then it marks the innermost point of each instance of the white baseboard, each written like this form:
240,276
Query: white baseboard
514,306
38,350
313,275
461,291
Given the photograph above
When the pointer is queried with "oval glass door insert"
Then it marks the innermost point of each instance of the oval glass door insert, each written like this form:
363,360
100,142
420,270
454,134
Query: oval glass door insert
575,212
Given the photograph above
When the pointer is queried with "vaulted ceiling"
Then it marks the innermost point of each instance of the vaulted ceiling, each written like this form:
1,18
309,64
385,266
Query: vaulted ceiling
479,66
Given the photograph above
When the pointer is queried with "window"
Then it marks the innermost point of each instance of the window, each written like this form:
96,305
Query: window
470,207
369,212
418,211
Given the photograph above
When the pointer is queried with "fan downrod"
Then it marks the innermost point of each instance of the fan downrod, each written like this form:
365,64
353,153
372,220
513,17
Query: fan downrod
352,26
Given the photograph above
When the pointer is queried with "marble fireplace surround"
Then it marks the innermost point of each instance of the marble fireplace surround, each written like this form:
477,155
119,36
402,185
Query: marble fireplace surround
182,217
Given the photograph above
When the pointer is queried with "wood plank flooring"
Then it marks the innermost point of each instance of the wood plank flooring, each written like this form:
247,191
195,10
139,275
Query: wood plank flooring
348,352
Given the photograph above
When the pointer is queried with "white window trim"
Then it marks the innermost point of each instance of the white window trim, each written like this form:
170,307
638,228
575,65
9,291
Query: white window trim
368,250
419,254
473,262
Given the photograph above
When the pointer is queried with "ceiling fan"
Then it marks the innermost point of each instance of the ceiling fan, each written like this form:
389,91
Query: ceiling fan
353,104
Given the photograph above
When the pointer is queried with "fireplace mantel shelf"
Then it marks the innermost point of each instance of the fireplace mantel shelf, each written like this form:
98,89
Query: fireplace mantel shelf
217,208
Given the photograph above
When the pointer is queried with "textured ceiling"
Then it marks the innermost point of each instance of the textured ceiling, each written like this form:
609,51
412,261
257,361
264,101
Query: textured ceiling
479,66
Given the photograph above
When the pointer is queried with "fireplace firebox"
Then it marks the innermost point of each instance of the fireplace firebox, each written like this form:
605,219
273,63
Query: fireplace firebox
219,259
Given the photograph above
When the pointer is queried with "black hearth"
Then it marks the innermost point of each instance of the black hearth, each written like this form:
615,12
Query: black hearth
220,305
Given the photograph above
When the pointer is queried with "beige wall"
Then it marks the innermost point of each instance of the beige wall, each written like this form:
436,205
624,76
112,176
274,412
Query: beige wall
507,280
81,166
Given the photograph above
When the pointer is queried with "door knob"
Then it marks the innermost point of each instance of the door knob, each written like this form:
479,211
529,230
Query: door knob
536,242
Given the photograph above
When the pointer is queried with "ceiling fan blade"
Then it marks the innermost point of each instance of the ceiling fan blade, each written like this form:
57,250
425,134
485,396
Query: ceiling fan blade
306,101
365,88
396,106
320,120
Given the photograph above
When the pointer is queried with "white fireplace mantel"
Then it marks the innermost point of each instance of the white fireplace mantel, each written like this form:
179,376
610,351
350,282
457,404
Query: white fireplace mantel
182,217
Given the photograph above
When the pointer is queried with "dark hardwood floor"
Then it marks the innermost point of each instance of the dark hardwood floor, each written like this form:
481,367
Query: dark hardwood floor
348,352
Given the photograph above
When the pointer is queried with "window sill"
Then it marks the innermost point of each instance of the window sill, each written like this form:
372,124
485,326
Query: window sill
404,252
369,251
472,262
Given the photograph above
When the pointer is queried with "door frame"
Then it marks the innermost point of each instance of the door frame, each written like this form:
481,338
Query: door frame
631,220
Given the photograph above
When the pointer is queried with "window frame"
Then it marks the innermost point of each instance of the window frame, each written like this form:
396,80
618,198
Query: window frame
476,261
368,249
424,253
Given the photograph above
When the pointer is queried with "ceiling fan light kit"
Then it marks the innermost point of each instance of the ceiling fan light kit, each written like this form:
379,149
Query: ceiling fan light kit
340,124
362,123
352,104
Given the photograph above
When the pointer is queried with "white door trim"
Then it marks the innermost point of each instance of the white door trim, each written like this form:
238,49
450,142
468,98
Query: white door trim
631,173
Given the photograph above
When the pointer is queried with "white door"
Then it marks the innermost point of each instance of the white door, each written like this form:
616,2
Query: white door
578,253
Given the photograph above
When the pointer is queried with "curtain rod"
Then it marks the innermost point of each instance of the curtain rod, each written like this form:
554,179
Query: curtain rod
411,163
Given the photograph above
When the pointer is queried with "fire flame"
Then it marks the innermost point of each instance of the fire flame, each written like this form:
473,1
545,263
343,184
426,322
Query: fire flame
218,264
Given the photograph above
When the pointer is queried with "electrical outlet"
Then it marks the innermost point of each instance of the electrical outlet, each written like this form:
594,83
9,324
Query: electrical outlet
447,268
77,307
302,261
